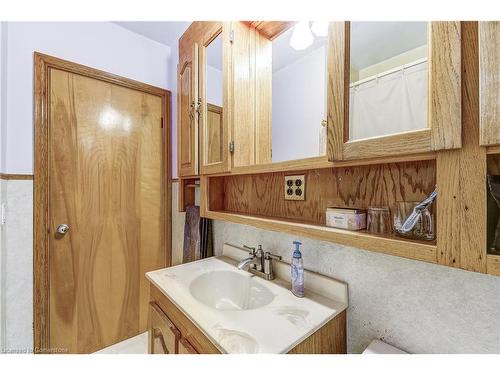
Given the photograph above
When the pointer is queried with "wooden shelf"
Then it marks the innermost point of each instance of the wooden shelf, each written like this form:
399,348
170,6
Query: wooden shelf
391,245
187,191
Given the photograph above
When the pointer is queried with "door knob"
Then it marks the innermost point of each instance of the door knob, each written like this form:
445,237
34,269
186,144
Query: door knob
63,229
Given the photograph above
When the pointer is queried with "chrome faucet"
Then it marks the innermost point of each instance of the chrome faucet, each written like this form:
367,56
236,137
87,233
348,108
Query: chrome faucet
259,263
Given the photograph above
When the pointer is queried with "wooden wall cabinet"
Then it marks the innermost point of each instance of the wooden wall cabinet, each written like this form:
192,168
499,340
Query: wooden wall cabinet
215,138
444,99
187,117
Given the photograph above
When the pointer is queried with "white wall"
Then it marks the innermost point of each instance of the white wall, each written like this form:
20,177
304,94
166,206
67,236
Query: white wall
101,45
3,36
3,90
298,107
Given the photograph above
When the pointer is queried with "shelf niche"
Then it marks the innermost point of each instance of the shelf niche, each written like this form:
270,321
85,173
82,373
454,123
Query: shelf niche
258,199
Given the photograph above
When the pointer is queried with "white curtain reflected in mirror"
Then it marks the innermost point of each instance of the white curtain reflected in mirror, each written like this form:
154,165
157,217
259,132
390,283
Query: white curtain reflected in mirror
388,78
214,89
298,98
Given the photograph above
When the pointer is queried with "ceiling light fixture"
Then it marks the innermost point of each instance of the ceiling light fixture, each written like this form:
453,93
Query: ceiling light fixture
320,28
301,36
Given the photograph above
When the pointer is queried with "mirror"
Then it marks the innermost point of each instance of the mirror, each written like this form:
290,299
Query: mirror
299,79
214,101
388,78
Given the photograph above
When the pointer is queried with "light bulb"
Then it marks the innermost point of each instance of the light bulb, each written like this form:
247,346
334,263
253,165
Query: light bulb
301,36
320,28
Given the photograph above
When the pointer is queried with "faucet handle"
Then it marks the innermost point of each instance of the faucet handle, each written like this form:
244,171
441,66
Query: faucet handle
252,249
268,255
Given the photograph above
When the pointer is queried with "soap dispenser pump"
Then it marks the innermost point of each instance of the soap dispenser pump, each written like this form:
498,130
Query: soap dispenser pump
297,269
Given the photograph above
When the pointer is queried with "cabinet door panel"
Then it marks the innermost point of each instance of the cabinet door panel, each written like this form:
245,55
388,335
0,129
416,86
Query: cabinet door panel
440,56
163,335
187,115
489,60
185,347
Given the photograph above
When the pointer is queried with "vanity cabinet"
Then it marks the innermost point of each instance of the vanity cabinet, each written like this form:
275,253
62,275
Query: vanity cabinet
163,335
489,83
172,332
221,105
185,347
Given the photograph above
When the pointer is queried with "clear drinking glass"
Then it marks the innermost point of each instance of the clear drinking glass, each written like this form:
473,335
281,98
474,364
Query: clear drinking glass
424,227
378,220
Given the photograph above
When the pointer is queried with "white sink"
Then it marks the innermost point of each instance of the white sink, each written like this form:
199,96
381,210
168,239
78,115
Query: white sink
228,290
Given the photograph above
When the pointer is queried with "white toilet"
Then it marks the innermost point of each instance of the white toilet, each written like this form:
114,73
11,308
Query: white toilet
380,347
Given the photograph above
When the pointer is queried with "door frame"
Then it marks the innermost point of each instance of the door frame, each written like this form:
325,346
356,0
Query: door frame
41,230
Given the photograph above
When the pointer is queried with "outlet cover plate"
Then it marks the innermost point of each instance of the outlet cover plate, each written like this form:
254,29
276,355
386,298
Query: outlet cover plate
295,188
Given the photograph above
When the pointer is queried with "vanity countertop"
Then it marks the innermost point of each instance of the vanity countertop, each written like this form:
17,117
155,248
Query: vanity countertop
275,328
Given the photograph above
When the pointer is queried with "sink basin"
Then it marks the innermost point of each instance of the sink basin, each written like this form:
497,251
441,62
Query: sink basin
228,290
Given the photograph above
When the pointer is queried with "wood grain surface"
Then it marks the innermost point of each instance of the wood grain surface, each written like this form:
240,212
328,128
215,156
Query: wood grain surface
101,167
371,185
489,83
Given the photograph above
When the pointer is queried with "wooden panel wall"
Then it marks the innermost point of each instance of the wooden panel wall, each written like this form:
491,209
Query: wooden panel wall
363,186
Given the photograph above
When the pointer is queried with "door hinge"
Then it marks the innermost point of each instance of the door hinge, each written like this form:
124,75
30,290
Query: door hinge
231,147
231,36
161,123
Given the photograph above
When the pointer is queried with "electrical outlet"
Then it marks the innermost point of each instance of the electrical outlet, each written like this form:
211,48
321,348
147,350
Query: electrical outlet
295,188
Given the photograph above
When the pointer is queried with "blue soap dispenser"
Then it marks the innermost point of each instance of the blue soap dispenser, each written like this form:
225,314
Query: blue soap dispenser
297,268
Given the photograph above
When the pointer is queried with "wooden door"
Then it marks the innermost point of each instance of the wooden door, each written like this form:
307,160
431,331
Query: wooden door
188,114
163,334
489,83
106,181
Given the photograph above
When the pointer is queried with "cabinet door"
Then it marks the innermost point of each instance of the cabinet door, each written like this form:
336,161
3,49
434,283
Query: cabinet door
213,86
163,335
489,60
185,347
250,111
393,103
187,113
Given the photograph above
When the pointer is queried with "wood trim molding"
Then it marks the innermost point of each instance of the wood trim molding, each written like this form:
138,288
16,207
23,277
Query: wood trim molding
15,176
418,141
41,285
445,96
337,94
271,29
489,82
